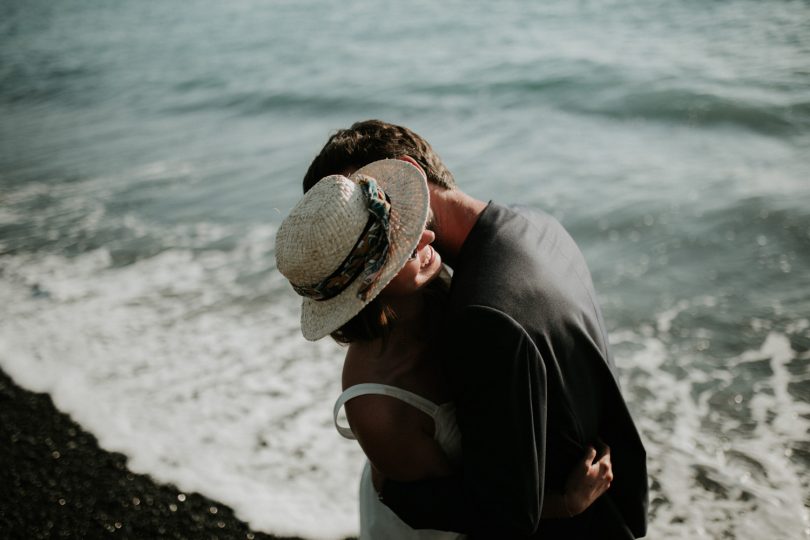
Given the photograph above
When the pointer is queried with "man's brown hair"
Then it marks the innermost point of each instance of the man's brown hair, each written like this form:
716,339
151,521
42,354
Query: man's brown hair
371,140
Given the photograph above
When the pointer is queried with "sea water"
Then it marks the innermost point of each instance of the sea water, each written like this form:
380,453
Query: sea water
149,150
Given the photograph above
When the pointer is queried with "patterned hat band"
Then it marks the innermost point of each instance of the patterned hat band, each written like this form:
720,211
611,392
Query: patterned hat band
366,259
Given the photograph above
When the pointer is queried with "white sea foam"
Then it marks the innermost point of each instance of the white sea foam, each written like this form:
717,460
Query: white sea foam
219,399
712,477
205,382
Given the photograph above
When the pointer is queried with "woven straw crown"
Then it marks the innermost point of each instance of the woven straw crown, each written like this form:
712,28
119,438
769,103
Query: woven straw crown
321,230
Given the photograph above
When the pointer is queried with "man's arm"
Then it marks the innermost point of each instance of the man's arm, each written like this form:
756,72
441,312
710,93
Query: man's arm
499,387
585,484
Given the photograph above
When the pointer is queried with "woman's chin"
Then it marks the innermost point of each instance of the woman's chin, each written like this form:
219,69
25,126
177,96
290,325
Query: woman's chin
435,267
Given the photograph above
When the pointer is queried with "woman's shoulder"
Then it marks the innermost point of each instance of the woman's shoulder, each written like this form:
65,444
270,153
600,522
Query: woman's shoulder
359,362
396,436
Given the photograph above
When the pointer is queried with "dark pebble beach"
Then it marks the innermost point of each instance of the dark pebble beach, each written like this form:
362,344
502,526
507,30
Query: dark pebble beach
55,482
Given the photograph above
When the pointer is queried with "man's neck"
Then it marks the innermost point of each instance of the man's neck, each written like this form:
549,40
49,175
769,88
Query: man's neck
454,215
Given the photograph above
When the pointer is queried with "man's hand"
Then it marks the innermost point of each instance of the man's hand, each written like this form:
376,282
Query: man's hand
588,481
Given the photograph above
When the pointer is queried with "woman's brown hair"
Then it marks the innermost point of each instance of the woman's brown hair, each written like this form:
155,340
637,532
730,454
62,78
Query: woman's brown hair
378,318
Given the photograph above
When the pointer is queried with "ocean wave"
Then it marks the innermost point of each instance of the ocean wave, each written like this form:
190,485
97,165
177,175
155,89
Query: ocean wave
700,109
595,89
38,78
724,454
253,103
616,88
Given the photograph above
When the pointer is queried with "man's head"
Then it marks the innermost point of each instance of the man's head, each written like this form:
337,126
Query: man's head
371,140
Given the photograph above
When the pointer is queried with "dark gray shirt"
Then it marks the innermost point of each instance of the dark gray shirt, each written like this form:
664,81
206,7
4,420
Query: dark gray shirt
534,384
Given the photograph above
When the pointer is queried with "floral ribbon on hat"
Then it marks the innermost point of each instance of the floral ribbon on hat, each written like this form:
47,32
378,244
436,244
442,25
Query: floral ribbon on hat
367,258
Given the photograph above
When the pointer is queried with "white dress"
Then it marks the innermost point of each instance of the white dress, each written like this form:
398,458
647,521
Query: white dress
377,521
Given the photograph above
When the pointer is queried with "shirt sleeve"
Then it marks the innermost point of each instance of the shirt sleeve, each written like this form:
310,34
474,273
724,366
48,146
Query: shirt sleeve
499,387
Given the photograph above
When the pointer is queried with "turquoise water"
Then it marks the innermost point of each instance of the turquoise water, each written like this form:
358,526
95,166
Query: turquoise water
149,149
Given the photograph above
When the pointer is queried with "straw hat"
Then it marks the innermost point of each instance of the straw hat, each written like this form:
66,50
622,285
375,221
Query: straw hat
322,230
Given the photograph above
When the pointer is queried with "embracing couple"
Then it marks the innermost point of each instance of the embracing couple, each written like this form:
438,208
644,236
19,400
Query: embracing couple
487,403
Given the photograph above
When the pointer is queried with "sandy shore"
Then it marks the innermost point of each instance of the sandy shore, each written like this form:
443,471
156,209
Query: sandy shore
55,482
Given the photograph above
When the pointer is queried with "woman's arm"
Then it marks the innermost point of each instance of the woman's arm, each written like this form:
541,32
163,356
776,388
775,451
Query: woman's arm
396,438
587,482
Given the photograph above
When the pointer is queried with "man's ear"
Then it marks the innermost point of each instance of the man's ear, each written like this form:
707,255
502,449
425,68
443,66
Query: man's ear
413,162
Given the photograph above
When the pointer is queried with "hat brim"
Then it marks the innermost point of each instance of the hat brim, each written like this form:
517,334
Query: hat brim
408,192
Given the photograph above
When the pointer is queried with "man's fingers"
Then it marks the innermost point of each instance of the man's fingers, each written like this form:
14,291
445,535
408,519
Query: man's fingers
590,456
604,449
604,459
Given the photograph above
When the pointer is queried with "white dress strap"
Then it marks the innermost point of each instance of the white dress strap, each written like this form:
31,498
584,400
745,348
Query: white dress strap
415,400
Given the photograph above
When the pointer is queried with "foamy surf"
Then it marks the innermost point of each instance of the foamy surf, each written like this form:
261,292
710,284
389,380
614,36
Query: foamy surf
165,361
719,441
225,400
